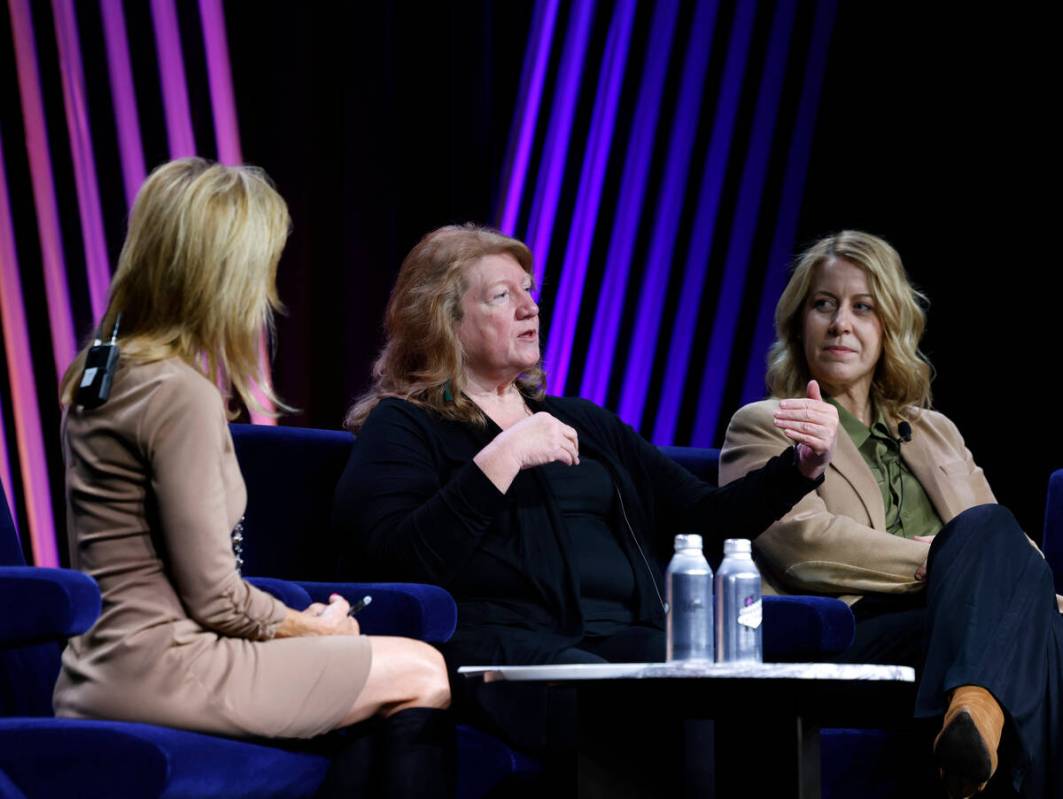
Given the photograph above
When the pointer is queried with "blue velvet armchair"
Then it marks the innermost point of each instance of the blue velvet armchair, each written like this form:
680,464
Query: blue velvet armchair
43,756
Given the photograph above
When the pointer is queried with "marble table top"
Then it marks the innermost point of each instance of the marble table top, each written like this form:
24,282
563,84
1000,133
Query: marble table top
693,670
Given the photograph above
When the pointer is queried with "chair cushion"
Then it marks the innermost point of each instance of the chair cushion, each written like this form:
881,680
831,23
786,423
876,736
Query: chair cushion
68,757
90,759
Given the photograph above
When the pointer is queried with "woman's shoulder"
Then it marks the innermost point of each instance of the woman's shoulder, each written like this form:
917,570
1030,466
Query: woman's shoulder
928,421
170,381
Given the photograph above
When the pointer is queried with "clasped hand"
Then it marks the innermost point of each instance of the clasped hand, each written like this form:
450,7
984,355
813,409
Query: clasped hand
812,425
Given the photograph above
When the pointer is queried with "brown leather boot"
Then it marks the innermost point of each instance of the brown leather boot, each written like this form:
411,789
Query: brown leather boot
966,747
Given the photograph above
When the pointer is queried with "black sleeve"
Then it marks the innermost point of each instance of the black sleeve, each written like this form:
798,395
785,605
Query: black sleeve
742,509
391,498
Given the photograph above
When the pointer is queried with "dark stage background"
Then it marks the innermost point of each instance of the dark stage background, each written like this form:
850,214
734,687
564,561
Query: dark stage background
704,144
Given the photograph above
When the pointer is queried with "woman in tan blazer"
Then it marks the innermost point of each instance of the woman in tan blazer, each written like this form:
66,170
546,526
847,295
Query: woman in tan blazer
153,490
904,525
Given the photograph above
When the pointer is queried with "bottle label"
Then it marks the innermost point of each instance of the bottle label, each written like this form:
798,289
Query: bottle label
750,614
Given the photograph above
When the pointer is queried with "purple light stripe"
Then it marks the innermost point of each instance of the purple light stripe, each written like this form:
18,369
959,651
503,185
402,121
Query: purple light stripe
219,77
588,199
227,137
533,76
744,229
32,462
172,75
705,217
792,194
63,338
599,364
78,125
127,122
670,198
555,151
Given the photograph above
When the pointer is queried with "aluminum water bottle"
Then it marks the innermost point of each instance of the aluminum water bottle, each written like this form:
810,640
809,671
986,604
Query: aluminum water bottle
689,592
738,605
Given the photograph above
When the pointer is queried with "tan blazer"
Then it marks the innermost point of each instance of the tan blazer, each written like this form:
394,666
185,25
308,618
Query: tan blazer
834,541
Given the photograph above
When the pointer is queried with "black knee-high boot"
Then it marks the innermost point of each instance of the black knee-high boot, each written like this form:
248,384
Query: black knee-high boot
355,753
409,755
418,754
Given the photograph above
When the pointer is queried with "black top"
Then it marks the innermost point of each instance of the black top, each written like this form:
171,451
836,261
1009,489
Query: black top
604,575
415,507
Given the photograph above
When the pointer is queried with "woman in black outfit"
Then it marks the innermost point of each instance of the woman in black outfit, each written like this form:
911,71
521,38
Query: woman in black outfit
543,516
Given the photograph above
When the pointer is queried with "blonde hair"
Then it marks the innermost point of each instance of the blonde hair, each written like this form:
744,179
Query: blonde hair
903,373
196,277
422,360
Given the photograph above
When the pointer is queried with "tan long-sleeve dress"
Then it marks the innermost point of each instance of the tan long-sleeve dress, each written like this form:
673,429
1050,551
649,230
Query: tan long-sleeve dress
153,492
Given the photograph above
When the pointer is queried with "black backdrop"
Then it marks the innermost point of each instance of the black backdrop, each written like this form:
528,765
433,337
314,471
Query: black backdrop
935,130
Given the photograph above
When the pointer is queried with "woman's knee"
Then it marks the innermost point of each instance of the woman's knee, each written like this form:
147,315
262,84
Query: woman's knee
988,522
431,686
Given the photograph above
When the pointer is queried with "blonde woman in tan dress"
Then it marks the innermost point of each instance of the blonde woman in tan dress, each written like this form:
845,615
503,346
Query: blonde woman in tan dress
153,491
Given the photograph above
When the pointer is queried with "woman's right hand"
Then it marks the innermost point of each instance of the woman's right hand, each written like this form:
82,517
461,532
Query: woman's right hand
539,439
319,619
920,573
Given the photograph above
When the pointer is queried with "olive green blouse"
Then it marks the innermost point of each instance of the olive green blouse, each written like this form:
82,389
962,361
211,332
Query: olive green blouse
909,511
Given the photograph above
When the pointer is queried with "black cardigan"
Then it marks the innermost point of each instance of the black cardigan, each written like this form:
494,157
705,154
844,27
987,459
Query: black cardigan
415,507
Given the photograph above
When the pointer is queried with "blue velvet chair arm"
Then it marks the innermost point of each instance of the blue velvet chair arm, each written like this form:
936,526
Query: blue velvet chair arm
291,594
45,604
1052,543
425,612
806,628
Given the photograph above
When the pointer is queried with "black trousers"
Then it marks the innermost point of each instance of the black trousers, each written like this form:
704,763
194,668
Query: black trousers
988,617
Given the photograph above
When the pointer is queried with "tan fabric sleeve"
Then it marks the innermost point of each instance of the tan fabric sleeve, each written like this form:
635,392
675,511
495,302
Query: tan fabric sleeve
184,435
811,548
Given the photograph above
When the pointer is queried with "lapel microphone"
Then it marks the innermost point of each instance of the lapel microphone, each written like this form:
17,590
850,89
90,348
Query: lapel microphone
904,432
101,362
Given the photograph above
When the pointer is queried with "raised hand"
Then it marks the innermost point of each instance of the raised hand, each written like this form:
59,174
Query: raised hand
539,439
812,425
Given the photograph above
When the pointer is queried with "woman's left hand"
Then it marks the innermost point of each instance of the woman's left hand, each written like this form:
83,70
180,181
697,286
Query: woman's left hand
813,426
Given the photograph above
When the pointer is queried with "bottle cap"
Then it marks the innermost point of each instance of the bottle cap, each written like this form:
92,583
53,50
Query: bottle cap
688,541
737,546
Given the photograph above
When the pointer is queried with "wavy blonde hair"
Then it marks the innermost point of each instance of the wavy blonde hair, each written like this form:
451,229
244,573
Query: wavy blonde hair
423,361
196,277
903,373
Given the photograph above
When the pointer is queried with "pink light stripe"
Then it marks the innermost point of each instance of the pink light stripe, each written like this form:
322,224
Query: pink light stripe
124,97
63,339
227,136
5,471
172,75
264,374
219,78
32,461
77,121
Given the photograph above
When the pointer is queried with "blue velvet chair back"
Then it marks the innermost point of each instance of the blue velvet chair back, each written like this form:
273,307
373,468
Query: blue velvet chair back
27,673
1052,543
702,463
287,525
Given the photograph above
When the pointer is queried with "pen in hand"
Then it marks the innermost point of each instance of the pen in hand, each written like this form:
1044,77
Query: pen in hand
360,605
